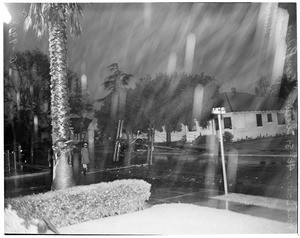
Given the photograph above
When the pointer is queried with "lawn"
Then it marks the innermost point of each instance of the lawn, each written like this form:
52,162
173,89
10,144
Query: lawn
270,145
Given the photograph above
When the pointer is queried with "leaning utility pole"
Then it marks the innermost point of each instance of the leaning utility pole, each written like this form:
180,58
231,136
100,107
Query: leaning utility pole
219,111
117,142
150,146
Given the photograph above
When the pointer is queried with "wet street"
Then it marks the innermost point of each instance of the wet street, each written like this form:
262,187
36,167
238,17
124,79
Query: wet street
263,176
184,178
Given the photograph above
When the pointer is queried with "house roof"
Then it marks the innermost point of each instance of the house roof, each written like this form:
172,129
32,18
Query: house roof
241,102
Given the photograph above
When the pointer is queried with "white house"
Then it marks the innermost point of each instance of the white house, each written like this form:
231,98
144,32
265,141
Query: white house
250,116
188,134
247,116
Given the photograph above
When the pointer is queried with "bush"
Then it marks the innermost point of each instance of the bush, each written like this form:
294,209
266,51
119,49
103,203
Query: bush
227,136
200,140
14,224
83,203
205,139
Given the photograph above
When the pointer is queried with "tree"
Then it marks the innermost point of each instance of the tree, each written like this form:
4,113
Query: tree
116,83
262,87
172,100
165,100
285,85
27,94
78,95
79,100
53,17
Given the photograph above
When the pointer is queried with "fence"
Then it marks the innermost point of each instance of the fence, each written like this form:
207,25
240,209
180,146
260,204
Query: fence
12,161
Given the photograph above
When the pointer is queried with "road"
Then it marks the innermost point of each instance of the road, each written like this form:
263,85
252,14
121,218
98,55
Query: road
257,175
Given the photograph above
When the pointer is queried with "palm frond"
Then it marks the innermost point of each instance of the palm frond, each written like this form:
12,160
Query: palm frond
40,15
74,11
36,18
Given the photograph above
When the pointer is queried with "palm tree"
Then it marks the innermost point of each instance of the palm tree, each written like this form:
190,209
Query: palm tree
53,17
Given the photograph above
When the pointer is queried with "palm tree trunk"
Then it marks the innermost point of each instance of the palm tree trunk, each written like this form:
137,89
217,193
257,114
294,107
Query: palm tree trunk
62,178
62,171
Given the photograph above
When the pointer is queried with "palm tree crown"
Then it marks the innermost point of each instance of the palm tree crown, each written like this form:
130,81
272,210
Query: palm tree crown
42,15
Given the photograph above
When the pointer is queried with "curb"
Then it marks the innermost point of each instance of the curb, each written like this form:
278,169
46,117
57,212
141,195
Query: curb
26,175
242,155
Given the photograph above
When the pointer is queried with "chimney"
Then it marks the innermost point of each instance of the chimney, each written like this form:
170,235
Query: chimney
233,90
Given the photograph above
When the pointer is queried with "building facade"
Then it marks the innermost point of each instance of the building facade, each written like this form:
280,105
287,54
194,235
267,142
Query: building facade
247,116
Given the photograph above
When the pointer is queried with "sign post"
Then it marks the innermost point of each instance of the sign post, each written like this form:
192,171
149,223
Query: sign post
219,111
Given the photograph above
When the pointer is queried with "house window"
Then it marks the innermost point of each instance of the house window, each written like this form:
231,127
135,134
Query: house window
269,115
292,116
258,120
280,118
227,123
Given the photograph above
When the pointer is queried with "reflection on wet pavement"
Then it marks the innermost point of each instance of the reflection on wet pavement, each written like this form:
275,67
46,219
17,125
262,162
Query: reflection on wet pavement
182,178
206,198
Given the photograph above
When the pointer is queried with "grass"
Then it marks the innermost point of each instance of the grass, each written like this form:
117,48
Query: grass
271,145
267,145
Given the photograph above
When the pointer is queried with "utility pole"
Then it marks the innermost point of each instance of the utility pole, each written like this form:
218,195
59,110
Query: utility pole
219,111
151,144
117,143
150,148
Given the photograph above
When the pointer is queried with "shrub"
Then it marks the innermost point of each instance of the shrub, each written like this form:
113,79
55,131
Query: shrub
200,140
82,203
227,136
14,224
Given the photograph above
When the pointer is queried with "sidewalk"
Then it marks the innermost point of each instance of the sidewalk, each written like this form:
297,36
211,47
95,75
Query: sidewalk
259,206
170,217
37,171
275,213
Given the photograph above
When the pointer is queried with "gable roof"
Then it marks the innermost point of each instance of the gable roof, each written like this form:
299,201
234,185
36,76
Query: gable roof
242,102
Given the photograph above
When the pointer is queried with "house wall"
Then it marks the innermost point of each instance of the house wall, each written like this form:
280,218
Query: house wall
179,135
160,136
244,125
190,135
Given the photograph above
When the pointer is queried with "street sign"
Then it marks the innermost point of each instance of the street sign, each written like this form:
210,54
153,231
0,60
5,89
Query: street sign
218,110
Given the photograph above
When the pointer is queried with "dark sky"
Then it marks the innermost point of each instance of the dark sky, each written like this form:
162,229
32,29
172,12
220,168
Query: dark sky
230,40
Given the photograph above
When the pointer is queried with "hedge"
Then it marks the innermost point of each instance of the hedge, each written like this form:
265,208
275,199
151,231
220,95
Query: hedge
82,203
